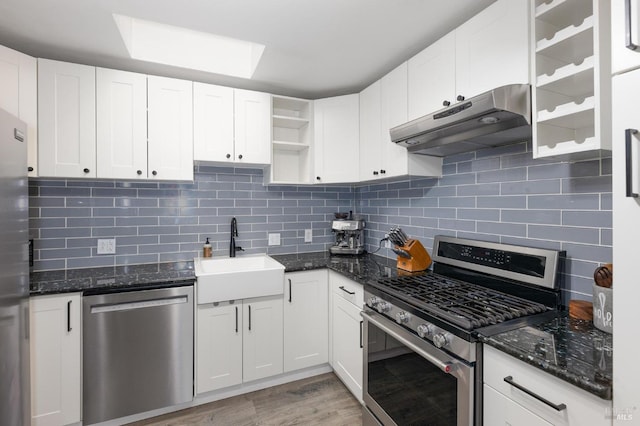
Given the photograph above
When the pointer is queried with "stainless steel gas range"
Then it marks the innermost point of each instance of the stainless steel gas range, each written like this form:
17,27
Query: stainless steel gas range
422,359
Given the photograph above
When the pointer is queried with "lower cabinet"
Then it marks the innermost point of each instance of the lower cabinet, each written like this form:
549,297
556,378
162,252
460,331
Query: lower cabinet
506,403
55,339
346,332
306,319
238,342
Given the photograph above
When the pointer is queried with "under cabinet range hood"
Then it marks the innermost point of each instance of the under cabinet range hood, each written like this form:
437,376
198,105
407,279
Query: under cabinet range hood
497,117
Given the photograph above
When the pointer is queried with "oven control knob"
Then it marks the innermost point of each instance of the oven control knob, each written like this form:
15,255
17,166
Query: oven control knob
402,317
425,330
441,340
372,302
383,307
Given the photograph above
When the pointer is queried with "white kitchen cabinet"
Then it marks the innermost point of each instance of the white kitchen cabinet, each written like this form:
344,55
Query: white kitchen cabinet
262,338
346,333
66,119
121,123
432,77
55,335
19,96
492,48
626,234
306,319
625,53
238,341
252,127
170,128
580,406
383,105
571,62
336,139
489,50
218,346
213,123
292,125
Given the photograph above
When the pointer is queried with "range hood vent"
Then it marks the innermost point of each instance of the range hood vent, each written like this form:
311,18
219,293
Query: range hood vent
497,117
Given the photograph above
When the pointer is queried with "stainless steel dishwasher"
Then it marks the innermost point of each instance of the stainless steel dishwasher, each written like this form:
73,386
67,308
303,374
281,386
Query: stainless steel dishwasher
137,351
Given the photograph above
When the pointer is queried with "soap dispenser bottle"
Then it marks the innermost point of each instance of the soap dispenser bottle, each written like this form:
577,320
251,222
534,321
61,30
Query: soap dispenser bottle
206,249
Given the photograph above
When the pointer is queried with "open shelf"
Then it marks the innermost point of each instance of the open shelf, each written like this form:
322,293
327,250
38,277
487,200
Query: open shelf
550,116
562,13
569,43
289,146
289,122
571,79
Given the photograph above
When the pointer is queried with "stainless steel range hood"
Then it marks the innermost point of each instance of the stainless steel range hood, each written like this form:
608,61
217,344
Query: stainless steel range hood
498,117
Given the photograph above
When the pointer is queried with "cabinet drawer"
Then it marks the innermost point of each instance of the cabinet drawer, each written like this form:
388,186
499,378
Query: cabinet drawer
347,289
581,407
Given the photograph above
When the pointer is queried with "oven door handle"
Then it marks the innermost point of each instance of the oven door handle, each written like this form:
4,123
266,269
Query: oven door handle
447,367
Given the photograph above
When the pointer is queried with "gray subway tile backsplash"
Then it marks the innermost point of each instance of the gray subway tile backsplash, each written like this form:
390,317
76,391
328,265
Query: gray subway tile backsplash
497,194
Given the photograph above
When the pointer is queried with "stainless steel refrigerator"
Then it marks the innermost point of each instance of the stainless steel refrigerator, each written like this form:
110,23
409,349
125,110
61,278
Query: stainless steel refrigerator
14,273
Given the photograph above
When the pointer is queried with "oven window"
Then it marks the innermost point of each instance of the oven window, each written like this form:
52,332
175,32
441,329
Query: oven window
409,388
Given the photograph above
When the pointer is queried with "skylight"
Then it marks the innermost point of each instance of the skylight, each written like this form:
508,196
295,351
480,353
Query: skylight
181,47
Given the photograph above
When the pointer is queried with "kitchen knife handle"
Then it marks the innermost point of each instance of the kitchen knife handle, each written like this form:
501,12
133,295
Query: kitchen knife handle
557,407
627,26
289,290
346,291
69,316
236,319
628,134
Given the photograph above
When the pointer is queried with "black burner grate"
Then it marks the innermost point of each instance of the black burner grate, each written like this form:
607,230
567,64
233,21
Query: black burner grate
467,305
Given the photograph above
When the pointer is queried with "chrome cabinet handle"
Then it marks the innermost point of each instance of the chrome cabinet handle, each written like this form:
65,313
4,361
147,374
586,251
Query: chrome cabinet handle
627,26
236,319
69,316
249,317
289,290
346,291
557,407
628,133
361,343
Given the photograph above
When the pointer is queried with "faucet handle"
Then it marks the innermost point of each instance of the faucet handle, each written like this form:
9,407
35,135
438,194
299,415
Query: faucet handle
239,248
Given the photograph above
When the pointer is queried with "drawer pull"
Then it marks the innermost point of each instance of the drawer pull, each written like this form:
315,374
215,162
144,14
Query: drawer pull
347,291
558,407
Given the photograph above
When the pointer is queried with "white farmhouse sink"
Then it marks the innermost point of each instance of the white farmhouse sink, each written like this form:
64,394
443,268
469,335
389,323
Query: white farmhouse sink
234,278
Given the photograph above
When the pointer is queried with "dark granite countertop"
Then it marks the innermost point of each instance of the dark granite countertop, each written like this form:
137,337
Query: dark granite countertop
570,349
111,278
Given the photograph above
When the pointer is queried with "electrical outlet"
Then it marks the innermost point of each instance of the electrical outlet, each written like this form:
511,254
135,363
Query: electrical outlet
274,239
107,246
308,235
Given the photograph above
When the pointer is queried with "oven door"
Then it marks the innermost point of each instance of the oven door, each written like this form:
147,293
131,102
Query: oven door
410,381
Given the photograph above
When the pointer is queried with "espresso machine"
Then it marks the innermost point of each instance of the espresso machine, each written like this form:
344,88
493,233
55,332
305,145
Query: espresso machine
349,236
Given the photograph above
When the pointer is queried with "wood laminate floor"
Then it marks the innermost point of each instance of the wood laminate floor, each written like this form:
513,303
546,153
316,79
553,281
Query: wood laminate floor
319,400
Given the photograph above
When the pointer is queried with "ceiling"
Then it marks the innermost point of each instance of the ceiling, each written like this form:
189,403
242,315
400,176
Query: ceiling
314,48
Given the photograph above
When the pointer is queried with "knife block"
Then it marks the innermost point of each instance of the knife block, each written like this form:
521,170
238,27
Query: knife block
419,259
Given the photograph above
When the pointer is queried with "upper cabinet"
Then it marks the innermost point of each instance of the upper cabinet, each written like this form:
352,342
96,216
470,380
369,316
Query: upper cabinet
19,96
336,139
170,128
383,105
490,50
121,123
212,123
252,126
66,119
572,91
625,35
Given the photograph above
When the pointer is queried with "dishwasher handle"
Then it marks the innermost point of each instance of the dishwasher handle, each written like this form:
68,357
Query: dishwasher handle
138,304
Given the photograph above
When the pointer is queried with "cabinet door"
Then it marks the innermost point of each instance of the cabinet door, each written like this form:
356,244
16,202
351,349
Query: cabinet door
432,77
306,318
55,359
218,346
121,121
170,128
500,410
19,96
212,123
626,234
66,119
370,152
336,139
262,338
492,48
625,55
252,127
393,112
347,344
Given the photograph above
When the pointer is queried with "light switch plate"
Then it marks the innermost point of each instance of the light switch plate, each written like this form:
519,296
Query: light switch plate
308,235
274,239
107,246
